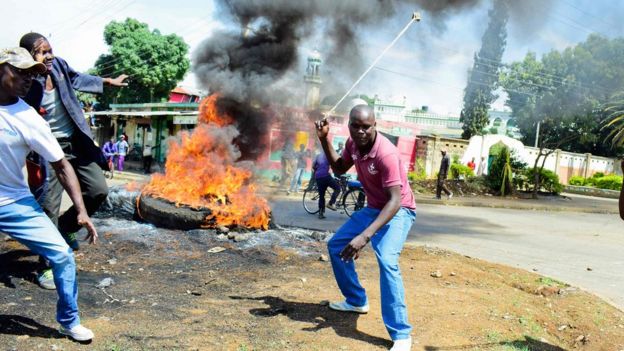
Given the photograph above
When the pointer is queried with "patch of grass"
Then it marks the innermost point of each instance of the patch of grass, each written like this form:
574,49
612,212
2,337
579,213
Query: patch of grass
551,282
116,347
514,346
493,336
599,317
243,347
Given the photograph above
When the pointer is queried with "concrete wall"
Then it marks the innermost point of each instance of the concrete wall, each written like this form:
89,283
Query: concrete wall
569,164
565,164
428,151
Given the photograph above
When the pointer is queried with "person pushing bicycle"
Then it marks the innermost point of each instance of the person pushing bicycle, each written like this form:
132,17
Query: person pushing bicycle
110,150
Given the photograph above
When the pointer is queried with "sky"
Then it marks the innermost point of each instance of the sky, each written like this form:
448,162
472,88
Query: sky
427,66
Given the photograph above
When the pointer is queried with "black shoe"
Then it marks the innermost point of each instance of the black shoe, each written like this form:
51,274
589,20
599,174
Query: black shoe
321,214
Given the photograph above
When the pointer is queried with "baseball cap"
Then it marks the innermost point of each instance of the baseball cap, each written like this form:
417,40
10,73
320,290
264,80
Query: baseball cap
21,58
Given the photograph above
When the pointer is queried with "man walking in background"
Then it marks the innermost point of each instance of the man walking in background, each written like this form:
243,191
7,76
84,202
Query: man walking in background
302,157
442,175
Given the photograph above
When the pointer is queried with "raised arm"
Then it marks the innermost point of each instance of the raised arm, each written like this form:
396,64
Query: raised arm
67,177
337,163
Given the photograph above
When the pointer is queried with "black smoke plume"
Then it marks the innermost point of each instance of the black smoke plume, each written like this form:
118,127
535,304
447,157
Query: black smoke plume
248,64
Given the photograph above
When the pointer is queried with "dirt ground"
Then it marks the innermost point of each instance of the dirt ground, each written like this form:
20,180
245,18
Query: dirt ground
268,292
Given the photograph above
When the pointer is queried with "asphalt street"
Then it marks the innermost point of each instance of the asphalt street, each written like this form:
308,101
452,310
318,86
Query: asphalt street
585,250
582,249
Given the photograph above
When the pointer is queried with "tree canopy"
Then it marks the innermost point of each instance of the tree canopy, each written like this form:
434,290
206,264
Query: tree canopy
483,78
154,62
566,92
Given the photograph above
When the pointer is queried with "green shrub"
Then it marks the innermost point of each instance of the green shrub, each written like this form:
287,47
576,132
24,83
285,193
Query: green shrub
549,180
476,185
419,172
499,176
591,181
598,175
576,180
461,171
612,182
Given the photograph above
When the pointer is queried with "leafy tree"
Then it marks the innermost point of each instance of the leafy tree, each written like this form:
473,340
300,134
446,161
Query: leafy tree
483,78
154,62
565,92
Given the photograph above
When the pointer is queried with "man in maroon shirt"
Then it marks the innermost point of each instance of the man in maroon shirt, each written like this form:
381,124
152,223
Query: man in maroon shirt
385,222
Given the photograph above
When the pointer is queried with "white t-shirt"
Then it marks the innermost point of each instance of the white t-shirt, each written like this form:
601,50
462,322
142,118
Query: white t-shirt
22,130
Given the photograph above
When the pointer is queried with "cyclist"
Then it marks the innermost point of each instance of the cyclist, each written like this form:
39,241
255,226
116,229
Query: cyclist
324,180
110,150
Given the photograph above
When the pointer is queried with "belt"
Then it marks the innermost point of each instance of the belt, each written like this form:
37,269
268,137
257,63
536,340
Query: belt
64,140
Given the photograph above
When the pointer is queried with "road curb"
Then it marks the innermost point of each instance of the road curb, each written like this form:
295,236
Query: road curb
515,206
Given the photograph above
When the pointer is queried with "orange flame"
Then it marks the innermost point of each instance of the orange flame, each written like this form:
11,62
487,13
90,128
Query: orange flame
201,172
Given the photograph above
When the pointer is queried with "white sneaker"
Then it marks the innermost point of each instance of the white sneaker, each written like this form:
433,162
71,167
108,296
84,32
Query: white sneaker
343,306
450,196
78,333
402,345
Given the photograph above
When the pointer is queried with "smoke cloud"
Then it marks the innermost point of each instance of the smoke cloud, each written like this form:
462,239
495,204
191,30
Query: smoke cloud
248,63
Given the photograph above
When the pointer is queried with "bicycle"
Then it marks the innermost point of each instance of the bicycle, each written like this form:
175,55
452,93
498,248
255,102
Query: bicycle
352,197
111,167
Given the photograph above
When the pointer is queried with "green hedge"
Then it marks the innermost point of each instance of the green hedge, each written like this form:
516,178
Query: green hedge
457,170
598,180
576,180
611,182
549,180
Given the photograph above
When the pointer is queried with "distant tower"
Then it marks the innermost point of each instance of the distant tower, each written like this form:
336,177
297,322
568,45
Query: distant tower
313,81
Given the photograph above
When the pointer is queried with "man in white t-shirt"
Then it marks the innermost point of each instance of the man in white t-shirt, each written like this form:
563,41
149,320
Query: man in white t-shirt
22,130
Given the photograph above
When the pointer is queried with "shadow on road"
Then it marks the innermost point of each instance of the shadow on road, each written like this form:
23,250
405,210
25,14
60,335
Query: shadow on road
344,324
428,224
527,344
12,265
18,325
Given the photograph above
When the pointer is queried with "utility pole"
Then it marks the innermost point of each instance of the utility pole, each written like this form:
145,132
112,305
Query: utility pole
537,133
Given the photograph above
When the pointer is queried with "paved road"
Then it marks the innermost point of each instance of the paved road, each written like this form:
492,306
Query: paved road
562,245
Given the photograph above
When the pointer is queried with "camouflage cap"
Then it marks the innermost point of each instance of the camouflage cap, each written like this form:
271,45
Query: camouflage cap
21,58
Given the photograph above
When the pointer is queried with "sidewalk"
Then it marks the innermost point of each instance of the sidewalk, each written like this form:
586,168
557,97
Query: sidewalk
565,202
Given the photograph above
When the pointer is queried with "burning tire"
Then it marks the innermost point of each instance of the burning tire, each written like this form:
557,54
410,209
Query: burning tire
165,214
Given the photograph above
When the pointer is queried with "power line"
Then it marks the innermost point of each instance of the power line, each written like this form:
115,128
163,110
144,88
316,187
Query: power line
403,74
66,26
601,19
115,12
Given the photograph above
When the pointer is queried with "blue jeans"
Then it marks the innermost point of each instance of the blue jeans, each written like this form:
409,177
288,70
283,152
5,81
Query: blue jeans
295,183
327,182
387,244
26,222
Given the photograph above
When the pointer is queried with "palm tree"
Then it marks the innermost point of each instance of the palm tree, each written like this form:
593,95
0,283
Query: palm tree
615,120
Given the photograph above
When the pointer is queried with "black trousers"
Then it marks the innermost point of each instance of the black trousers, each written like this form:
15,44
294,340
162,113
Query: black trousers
147,164
92,183
323,183
441,186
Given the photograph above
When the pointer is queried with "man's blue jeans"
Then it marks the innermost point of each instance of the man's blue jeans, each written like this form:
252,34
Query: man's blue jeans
387,244
26,222
295,183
